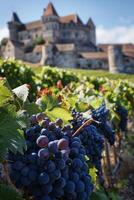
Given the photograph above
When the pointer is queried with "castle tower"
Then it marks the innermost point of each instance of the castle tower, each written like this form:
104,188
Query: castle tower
115,58
14,25
50,20
92,28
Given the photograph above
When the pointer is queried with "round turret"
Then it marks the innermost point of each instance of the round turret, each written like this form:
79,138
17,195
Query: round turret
50,20
115,58
14,26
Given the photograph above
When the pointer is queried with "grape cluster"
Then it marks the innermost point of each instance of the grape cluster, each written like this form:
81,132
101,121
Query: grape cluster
53,167
123,114
91,139
92,136
101,115
93,142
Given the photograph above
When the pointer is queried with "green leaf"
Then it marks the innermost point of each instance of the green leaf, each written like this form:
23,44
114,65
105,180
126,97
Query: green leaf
58,112
10,135
93,174
99,195
22,118
31,108
5,93
81,106
72,99
114,196
8,193
95,101
50,101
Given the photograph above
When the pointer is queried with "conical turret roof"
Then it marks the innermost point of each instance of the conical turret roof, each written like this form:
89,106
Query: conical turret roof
15,17
50,10
91,23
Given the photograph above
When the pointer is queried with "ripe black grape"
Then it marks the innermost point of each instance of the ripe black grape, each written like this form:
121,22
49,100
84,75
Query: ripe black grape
53,167
123,114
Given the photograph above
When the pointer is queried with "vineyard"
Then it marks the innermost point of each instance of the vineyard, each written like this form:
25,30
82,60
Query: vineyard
65,135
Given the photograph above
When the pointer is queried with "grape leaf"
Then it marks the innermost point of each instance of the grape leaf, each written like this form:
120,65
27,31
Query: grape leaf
10,135
59,112
31,108
5,94
8,193
99,195
50,101
93,174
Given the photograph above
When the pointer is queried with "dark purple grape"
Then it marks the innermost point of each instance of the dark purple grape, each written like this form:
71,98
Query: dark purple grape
43,153
42,141
59,122
63,144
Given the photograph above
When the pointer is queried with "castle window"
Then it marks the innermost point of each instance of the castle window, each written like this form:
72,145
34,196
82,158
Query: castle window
89,65
100,64
127,60
78,65
76,35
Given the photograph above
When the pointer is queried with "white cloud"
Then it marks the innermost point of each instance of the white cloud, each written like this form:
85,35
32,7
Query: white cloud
3,32
118,34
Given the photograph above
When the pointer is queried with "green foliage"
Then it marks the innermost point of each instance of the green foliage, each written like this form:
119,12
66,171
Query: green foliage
50,105
80,93
101,194
50,76
93,174
18,74
38,40
8,193
4,41
94,73
11,137
59,112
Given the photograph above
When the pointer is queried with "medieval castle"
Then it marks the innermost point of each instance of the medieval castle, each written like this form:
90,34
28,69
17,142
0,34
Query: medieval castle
65,42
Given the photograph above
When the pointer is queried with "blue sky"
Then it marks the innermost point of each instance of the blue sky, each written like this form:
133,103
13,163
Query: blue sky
112,17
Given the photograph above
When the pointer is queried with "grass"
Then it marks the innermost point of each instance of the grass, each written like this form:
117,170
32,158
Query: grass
96,73
102,73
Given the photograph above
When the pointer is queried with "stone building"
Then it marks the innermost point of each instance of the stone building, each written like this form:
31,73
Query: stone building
65,42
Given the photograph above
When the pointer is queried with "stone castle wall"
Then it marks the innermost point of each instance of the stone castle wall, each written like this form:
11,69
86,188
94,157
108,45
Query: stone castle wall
68,42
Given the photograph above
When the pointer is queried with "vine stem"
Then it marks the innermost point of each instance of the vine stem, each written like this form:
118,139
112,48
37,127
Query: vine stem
88,122
8,180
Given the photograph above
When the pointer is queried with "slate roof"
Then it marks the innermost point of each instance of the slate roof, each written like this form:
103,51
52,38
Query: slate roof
95,55
127,49
50,10
33,25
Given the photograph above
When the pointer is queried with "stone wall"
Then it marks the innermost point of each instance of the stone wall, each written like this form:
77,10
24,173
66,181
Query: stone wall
65,59
28,36
33,57
92,63
128,64
19,53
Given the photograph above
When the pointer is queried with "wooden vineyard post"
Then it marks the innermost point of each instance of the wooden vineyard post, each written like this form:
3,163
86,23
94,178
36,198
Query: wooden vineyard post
115,154
108,163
